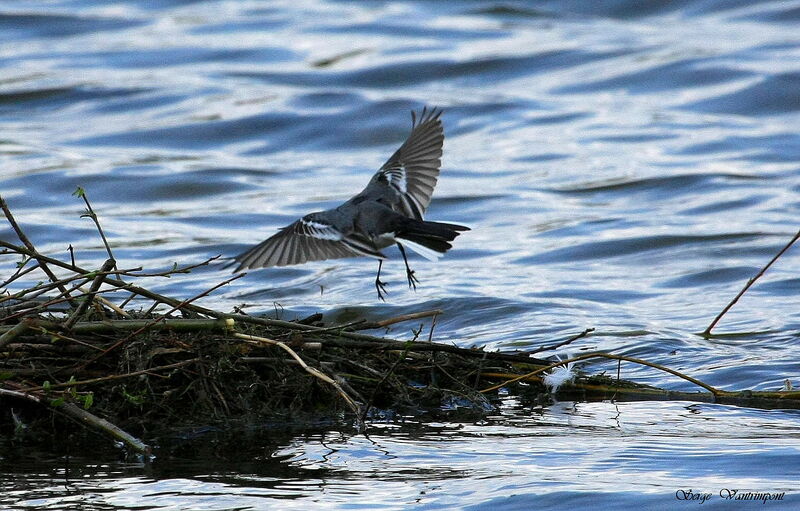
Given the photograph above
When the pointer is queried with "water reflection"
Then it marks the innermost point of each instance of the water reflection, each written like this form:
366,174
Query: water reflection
635,448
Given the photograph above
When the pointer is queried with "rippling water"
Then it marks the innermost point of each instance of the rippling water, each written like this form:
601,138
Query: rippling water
624,165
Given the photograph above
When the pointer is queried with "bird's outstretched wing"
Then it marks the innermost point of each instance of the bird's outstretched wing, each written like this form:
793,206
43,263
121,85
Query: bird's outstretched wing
308,239
413,170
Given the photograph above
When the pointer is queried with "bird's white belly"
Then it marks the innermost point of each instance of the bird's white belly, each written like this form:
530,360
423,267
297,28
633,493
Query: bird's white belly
384,240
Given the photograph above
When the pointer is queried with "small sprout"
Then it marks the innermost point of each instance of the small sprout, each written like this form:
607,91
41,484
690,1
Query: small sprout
57,402
72,391
88,400
136,400
79,192
46,386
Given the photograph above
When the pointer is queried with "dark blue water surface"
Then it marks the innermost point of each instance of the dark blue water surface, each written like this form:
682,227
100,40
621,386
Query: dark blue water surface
625,165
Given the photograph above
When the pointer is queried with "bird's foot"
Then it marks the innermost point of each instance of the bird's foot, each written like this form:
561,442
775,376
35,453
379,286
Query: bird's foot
380,286
412,279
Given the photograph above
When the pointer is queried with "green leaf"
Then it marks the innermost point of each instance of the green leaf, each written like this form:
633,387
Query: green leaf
46,385
88,399
57,402
136,400
79,192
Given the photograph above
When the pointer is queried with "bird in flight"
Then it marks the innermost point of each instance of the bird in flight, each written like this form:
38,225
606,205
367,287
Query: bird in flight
388,211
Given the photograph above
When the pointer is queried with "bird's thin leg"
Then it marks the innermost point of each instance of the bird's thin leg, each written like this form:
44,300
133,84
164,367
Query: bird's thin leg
379,285
412,280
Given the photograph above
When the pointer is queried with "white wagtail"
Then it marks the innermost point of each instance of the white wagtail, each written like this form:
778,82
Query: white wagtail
389,210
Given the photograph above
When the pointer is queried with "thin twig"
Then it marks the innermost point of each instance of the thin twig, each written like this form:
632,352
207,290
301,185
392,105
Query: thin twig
405,317
433,325
95,287
108,303
43,287
478,373
21,271
80,192
33,253
39,289
167,273
362,324
34,327
44,305
377,386
112,326
127,300
113,376
750,282
563,343
345,326
679,374
311,370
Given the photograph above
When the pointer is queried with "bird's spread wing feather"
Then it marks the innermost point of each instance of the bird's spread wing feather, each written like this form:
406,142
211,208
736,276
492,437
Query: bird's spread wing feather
413,170
306,240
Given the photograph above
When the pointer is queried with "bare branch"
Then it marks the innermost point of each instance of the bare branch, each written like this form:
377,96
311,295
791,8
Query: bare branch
311,370
33,253
563,343
98,280
750,282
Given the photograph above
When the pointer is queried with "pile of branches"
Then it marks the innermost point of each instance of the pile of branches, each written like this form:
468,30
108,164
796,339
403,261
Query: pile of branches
68,345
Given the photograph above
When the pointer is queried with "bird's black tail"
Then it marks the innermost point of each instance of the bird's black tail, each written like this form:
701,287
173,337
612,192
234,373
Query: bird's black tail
428,239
